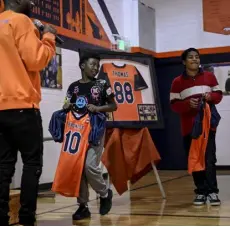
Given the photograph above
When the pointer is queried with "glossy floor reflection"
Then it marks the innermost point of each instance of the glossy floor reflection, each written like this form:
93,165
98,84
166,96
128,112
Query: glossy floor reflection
143,205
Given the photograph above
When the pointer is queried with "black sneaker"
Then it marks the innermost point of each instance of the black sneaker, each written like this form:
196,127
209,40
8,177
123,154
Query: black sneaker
82,213
199,200
106,203
4,221
214,199
26,221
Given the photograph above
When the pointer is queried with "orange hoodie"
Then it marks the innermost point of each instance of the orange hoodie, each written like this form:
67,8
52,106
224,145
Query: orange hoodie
22,56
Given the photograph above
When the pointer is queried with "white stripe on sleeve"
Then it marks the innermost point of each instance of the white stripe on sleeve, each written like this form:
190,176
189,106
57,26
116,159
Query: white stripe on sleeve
174,96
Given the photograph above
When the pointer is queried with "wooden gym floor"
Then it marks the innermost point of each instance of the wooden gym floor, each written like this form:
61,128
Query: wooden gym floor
143,205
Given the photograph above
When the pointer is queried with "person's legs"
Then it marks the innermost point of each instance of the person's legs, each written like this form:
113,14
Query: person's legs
83,210
93,176
8,158
93,171
199,178
200,182
84,191
27,133
210,170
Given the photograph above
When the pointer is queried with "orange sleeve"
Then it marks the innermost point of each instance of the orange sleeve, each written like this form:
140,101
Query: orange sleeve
35,53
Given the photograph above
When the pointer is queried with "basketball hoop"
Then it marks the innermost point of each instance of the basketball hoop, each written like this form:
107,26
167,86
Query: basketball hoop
120,44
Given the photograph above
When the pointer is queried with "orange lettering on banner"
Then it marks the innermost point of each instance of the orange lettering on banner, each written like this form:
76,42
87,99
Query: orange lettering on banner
216,16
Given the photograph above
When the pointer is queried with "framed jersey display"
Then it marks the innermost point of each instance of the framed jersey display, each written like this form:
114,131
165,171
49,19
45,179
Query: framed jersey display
133,80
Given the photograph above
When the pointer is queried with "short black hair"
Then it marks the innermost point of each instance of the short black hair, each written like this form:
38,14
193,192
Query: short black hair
186,52
86,56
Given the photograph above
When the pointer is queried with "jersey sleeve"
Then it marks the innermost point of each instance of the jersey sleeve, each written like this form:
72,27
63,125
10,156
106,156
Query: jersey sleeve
139,82
103,75
177,104
69,98
108,91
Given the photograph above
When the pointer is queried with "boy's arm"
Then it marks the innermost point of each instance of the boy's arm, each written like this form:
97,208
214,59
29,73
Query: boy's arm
216,95
111,104
68,97
176,103
110,107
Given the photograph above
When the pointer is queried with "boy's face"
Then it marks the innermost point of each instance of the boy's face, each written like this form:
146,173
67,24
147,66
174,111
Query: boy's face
192,61
91,67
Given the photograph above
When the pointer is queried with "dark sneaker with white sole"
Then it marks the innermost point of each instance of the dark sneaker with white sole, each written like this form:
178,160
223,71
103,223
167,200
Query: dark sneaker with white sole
82,213
213,199
200,200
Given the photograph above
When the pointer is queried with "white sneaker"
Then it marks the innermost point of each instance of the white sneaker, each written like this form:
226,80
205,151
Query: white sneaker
213,199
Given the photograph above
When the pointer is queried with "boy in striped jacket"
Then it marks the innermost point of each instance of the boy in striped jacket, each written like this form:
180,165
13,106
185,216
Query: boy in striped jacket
187,92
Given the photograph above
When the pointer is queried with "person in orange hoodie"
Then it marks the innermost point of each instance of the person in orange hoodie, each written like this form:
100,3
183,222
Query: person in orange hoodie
23,54
187,92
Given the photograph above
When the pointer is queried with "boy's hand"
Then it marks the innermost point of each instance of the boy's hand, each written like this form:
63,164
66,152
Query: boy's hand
92,108
207,97
194,103
67,106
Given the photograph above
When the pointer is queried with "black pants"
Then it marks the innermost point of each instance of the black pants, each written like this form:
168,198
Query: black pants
205,181
20,130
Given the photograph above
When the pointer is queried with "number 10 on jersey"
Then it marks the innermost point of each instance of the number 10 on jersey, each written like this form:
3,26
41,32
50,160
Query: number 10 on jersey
72,142
123,92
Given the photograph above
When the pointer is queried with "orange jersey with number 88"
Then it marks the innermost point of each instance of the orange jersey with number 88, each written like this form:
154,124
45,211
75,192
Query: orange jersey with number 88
127,83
